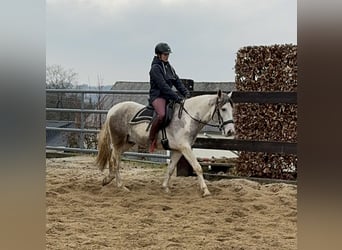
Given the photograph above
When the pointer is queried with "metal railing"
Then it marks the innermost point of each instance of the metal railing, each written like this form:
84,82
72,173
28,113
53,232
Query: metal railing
83,130
210,143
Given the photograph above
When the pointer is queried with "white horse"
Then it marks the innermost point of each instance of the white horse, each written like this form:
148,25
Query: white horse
118,134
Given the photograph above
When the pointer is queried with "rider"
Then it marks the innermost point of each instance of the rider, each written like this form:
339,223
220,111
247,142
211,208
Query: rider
162,78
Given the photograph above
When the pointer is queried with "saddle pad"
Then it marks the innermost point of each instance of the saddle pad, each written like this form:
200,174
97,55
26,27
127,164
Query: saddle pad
143,115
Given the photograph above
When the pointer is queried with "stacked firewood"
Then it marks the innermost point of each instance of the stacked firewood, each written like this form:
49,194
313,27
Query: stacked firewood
266,68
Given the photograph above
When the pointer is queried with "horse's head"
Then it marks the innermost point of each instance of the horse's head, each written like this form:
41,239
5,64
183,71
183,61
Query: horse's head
223,113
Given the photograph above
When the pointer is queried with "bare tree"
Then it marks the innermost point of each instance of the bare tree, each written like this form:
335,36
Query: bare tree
59,78
99,99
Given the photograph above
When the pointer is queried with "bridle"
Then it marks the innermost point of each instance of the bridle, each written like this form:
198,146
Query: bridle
219,116
221,123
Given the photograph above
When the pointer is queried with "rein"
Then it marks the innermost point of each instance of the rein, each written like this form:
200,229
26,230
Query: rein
217,110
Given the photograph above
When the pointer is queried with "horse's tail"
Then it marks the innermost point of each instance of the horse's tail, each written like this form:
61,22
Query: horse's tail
104,147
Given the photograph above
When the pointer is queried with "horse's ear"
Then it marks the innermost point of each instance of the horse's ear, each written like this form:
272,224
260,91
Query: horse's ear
230,98
219,93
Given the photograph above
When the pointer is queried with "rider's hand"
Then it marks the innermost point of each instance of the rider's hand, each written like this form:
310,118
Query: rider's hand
179,100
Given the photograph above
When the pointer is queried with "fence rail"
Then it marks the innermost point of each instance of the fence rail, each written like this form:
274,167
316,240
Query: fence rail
95,111
208,143
82,130
247,145
237,96
74,130
95,151
86,91
258,97
265,97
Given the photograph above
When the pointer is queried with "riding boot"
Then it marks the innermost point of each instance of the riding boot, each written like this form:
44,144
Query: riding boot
154,132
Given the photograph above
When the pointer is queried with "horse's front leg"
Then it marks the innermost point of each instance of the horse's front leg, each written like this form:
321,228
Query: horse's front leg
191,158
175,156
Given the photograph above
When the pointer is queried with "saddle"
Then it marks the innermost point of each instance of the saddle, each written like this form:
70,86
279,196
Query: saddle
148,114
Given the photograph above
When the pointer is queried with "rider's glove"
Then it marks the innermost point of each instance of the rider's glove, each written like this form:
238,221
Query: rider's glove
179,100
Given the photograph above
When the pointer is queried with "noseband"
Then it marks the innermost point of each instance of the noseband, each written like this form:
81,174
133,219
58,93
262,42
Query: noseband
216,111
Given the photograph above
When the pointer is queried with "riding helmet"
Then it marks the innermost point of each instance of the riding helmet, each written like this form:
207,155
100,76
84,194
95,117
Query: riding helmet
162,48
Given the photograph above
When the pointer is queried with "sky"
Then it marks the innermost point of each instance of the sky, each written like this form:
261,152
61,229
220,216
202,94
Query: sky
113,40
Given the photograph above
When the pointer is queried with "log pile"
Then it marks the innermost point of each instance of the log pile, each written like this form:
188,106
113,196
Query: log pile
266,68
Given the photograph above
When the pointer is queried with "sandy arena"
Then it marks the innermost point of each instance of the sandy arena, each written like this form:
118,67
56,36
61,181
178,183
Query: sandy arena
240,214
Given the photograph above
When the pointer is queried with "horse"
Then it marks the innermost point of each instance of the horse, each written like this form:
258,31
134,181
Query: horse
117,134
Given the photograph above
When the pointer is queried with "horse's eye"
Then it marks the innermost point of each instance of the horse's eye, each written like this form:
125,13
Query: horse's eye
224,109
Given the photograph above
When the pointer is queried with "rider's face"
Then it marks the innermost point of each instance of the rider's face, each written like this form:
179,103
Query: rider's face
164,57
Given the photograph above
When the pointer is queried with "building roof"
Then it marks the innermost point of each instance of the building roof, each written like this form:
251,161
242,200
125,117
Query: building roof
213,86
110,100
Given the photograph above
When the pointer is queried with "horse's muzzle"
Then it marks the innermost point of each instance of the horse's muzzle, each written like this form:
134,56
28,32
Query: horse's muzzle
229,133
228,130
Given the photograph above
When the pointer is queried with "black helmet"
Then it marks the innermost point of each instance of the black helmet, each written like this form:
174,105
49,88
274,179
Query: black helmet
162,48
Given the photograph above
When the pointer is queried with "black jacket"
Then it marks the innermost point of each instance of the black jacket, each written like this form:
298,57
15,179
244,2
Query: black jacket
162,78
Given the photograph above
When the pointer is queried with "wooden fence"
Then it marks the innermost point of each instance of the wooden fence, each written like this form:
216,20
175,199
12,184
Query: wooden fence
183,167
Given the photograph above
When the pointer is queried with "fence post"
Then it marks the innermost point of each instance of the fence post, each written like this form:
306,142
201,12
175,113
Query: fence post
81,141
189,84
184,168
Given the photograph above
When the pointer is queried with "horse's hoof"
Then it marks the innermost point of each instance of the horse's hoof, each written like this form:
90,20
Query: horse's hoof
167,190
125,189
206,193
105,182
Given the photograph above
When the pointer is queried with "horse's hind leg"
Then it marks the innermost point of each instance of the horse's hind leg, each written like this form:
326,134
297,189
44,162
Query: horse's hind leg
191,158
117,156
175,156
119,183
111,174
114,170
114,166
